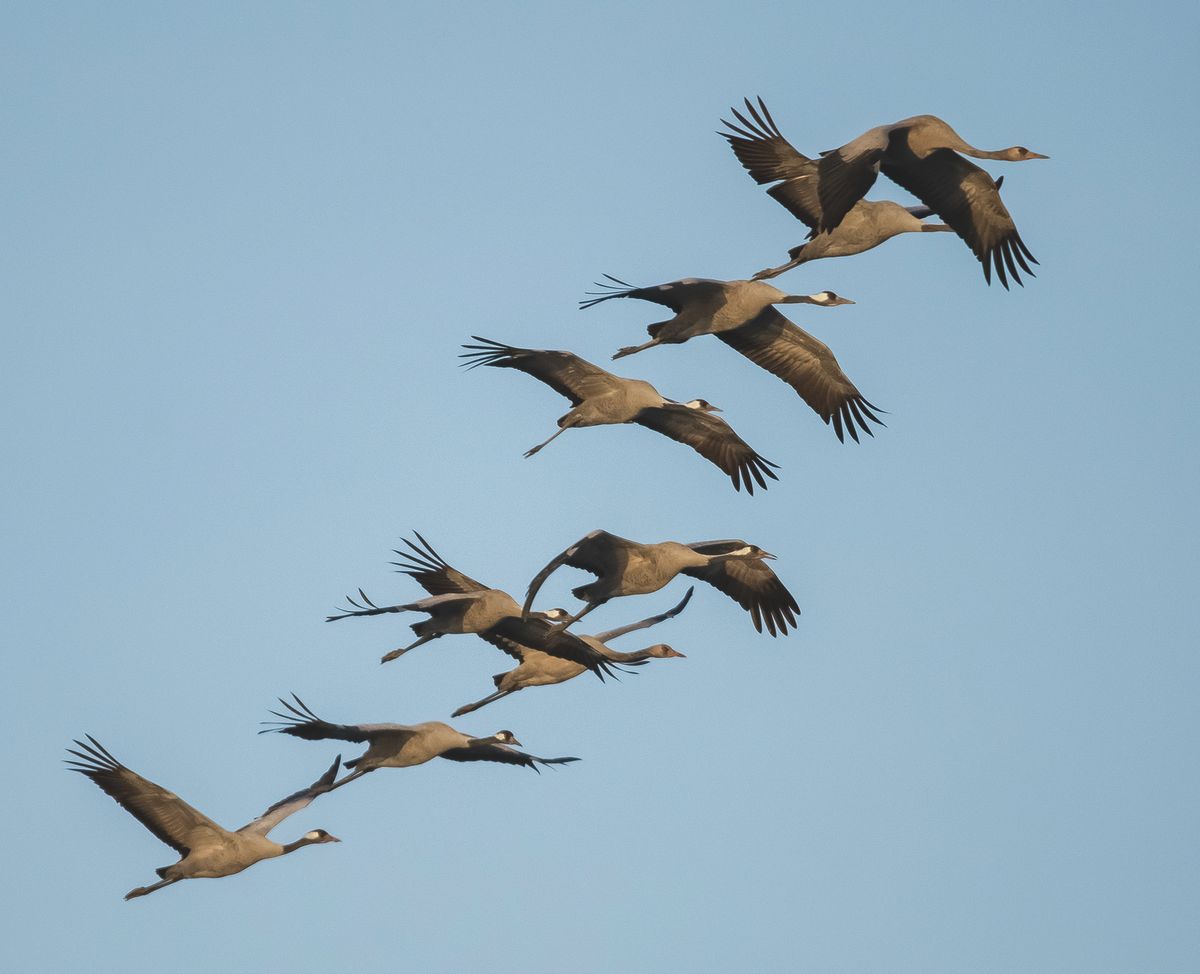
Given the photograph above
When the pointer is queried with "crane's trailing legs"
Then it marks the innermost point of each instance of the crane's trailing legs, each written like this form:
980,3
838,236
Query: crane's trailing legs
534,449
143,890
631,349
397,653
467,708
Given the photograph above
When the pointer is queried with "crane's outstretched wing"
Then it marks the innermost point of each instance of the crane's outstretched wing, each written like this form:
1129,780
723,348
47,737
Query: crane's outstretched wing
565,373
598,552
774,343
293,803
714,439
845,174
648,622
501,753
750,583
169,817
363,606
550,639
761,148
301,722
431,571
968,199
673,295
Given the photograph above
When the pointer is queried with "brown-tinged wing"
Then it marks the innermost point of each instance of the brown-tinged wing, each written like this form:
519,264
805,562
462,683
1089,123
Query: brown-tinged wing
431,571
713,438
165,814
845,174
502,754
564,372
551,639
300,721
774,343
753,586
674,294
761,148
968,199
597,552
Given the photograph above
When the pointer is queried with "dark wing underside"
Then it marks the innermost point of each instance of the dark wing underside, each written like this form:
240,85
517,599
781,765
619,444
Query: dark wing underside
300,721
713,439
565,373
598,552
968,199
757,589
502,754
551,639
431,571
761,148
774,343
674,295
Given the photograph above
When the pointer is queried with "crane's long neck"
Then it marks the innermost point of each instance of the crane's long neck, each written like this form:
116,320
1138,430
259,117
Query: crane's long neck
635,657
298,844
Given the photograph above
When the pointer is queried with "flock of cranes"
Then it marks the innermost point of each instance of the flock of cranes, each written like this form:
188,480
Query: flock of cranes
923,155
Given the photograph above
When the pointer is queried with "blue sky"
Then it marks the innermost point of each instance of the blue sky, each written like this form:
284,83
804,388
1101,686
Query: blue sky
243,245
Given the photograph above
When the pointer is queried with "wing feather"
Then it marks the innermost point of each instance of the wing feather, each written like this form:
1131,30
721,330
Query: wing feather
431,571
968,199
755,587
502,754
293,803
564,372
300,721
165,814
713,438
774,343
598,552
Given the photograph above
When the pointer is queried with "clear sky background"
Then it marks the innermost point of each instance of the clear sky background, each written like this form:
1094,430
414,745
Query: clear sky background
242,243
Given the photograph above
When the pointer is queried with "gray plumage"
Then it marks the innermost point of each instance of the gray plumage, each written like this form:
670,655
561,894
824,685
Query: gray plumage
599,398
743,316
624,567
921,154
770,158
458,604
537,669
206,849
403,745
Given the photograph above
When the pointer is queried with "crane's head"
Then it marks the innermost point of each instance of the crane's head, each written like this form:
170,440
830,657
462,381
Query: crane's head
317,836
824,299
506,737
721,550
552,615
1018,153
703,405
663,651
